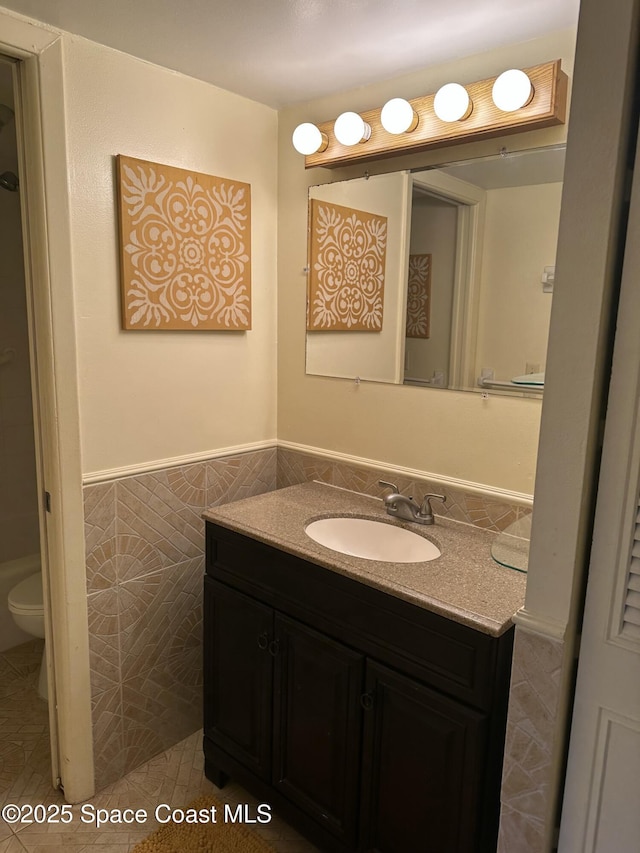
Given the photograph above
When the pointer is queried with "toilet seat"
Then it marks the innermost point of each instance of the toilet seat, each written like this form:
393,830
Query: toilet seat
26,597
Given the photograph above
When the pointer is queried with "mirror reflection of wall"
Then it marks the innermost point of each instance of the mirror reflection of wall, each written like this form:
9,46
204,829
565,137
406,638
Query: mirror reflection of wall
521,231
489,230
522,213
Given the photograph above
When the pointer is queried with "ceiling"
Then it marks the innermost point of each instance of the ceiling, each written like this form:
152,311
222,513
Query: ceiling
280,52
514,169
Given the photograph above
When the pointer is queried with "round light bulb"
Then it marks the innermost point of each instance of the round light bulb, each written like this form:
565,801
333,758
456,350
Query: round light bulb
398,116
452,102
512,90
350,128
308,139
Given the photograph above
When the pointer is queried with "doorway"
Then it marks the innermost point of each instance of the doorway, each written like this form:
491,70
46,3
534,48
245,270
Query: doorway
25,747
37,62
432,270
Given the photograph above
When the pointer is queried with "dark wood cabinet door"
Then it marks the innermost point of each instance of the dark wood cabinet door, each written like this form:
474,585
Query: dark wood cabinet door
317,731
422,766
238,675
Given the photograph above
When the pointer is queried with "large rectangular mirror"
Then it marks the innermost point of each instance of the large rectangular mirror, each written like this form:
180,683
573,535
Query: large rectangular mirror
438,278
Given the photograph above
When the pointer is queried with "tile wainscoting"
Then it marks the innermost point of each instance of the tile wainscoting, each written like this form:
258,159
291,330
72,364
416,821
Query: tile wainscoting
480,510
145,560
532,728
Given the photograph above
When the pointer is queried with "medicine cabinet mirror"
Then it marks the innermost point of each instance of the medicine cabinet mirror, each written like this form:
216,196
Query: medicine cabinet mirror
466,255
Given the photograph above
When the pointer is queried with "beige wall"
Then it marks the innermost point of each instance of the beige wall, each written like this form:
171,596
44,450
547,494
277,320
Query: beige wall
148,396
450,434
520,237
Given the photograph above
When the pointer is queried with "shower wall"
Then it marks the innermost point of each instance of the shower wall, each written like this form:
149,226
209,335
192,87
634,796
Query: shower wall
19,536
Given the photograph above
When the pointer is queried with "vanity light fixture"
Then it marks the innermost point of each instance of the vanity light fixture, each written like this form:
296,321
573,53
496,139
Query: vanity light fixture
308,139
354,137
398,116
350,129
452,103
512,90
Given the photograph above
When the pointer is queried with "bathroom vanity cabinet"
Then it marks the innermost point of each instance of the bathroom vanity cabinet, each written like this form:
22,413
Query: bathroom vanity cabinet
368,722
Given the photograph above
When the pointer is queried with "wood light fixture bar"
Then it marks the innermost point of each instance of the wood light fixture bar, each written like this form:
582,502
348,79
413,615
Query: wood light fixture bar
547,107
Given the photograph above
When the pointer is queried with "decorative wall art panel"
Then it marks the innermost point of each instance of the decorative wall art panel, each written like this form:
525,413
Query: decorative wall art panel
346,278
185,248
419,297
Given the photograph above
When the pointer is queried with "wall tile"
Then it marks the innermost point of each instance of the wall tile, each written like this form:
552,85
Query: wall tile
99,513
144,608
159,711
145,563
245,475
101,566
136,557
364,480
519,834
531,723
489,514
140,743
104,640
99,535
294,468
106,691
160,617
164,509
108,736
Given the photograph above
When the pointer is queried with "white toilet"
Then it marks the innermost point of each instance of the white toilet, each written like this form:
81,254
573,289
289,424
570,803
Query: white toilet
26,605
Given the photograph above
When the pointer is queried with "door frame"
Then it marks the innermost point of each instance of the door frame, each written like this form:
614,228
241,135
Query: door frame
43,174
471,203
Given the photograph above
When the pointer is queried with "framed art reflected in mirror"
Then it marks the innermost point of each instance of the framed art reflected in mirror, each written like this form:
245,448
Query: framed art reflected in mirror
489,229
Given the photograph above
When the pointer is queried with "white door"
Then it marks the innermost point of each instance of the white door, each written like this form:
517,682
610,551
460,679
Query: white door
601,808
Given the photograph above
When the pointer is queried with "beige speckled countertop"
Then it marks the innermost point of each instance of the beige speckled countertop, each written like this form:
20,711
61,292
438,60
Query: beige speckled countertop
464,583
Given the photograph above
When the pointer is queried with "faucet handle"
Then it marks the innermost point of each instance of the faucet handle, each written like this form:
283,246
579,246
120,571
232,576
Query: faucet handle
425,509
391,486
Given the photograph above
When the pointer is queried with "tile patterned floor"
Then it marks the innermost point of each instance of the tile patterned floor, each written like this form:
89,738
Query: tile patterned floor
174,777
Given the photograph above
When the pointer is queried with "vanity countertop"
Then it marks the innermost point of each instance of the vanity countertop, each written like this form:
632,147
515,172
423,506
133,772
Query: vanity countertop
464,584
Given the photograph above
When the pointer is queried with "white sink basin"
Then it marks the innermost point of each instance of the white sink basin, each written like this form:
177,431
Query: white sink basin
372,540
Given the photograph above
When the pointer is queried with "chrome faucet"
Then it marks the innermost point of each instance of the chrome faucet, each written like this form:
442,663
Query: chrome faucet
405,507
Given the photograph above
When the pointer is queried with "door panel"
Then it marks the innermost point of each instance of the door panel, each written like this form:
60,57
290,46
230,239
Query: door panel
317,725
238,675
600,809
423,756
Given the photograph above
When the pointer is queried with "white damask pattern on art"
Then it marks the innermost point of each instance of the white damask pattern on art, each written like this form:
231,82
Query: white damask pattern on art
419,297
347,263
185,248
